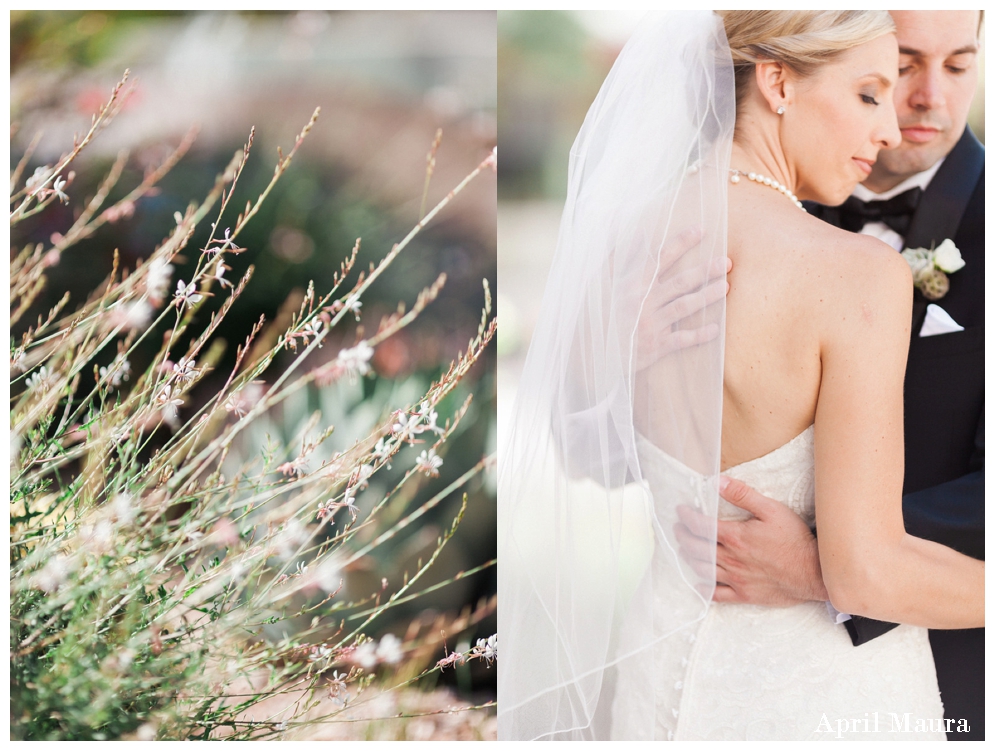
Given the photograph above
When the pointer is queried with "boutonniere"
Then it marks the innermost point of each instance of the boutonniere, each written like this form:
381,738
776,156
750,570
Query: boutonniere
930,268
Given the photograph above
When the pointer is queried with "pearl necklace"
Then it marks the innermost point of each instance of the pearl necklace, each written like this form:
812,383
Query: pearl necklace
734,175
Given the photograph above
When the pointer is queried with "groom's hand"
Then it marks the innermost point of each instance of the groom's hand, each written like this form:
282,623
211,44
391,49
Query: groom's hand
771,559
674,297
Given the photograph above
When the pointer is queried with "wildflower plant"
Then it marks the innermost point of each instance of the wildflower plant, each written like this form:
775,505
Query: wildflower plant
157,587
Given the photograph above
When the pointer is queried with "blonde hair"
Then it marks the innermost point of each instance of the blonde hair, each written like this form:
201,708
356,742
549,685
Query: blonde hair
802,40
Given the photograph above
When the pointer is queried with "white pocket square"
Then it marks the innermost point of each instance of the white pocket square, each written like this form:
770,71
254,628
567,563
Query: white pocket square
938,321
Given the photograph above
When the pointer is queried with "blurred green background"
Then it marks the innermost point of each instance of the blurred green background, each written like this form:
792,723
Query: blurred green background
385,82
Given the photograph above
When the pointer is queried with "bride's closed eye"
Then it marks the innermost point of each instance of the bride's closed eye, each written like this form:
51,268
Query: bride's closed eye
868,99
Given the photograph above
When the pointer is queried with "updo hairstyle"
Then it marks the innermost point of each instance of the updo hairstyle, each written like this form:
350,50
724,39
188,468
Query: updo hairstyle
799,39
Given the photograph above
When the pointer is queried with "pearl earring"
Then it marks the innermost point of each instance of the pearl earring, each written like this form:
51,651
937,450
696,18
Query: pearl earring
780,110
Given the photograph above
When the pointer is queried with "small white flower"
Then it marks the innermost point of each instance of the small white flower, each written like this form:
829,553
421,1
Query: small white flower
227,243
119,370
429,415
241,401
158,279
354,304
132,315
947,257
298,467
487,648
356,360
40,378
333,467
365,655
166,399
402,424
337,688
390,650
234,404
930,268
187,294
170,406
429,463
99,536
313,328
41,174
185,369
123,505
219,274
363,475
382,451
57,187
919,260
349,501
53,575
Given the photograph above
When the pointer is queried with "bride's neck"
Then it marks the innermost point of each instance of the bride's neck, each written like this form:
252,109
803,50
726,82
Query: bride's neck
761,152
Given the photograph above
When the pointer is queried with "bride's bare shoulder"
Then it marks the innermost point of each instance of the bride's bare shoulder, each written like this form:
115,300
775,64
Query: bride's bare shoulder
859,274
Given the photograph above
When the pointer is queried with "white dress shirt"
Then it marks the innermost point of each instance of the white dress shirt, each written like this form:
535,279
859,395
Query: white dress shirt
880,230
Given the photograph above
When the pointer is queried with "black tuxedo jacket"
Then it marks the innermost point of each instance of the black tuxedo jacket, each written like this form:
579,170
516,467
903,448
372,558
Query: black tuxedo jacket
944,414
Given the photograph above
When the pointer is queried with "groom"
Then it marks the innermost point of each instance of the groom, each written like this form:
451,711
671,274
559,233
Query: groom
929,189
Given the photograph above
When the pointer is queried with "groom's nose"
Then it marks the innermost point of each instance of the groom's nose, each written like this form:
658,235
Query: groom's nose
927,90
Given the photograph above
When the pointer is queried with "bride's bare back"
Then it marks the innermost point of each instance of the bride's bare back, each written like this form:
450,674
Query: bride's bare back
796,283
817,331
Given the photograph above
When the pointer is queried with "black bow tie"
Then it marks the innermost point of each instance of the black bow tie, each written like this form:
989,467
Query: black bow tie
895,212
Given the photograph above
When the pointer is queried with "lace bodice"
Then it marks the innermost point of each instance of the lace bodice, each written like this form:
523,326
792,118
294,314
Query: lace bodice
786,474
751,672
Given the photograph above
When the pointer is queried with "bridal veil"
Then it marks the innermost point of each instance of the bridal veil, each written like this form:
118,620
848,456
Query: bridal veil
618,421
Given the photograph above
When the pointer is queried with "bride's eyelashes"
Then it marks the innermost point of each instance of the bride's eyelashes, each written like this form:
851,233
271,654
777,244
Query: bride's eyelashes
869,99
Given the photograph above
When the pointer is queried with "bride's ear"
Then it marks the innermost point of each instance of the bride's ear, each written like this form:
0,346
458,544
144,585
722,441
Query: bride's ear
774,84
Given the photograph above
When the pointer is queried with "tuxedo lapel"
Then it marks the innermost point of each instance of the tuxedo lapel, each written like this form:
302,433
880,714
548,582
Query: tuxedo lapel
942,205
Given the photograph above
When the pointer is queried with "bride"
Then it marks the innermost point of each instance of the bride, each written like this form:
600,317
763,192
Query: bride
644,382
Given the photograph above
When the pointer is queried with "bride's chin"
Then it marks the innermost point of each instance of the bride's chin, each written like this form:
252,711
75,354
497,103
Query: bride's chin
830,195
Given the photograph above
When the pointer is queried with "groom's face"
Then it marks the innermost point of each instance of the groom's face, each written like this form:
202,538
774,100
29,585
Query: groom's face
938,73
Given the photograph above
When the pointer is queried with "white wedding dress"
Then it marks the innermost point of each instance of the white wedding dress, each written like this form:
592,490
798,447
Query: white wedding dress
759,673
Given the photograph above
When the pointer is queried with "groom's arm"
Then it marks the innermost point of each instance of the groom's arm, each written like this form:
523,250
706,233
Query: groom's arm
773,558
953,513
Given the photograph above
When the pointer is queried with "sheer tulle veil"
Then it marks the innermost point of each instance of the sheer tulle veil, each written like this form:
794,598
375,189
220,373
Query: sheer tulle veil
608,439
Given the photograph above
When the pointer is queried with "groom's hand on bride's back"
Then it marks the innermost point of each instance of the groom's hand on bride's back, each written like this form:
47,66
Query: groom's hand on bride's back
675,297
770,559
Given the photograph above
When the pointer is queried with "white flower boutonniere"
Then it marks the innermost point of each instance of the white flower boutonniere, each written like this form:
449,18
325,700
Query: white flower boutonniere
930,268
